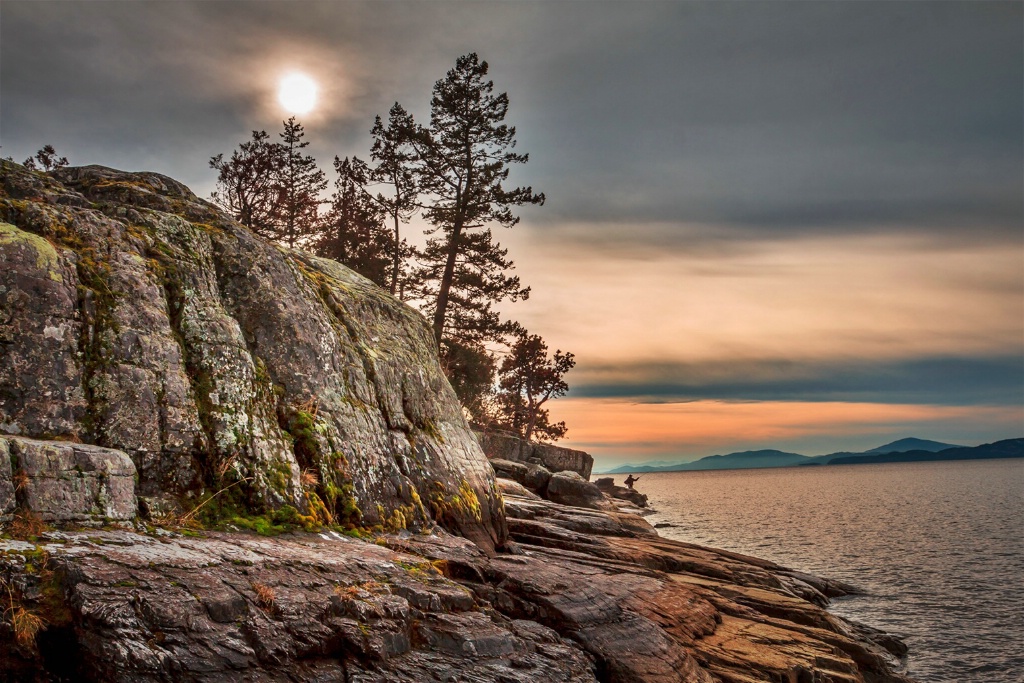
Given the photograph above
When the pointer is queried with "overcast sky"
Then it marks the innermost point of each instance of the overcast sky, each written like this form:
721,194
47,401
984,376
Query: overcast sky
794,225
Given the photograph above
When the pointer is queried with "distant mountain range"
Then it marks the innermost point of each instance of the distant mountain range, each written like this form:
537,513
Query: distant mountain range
904,450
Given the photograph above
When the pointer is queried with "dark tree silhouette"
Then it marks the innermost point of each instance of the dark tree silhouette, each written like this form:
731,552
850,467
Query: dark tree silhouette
461,163
528,379
393,158
248,183
352,231
299,185
46,159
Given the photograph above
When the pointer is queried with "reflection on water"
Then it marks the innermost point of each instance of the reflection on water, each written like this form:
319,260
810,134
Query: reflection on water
938,546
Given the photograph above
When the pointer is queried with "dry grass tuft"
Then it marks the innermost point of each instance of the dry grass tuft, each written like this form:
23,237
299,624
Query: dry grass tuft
311,407
26,626
26,525
309,478
265,596
222,468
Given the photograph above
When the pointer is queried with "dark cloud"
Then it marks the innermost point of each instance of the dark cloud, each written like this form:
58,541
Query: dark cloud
761,119
997,380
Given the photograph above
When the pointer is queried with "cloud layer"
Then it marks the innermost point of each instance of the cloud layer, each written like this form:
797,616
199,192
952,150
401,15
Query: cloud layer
802,204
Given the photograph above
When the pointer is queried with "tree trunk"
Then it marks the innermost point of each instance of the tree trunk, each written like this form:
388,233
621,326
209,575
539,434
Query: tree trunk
446,282
532,423
396,260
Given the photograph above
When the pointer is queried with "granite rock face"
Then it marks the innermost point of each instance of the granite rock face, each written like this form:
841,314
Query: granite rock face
137,317
503,446
68,482
533,477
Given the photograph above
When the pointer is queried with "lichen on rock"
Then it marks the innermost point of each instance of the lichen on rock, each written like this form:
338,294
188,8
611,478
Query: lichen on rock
135,316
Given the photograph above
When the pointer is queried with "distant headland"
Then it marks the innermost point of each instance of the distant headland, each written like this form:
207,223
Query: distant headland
904,450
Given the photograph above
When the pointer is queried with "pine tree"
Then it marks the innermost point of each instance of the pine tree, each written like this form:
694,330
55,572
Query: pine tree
248,183
352,231
528,379
462,161
299,185
393,157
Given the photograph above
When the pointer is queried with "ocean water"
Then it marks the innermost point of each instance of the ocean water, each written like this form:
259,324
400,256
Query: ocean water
939,548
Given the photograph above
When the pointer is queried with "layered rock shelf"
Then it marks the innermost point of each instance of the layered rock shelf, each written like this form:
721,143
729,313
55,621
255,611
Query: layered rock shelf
577,595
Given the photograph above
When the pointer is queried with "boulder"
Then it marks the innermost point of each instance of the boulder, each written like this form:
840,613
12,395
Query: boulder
569,488
559,458
136,316
632,496
533,477
508,487
70,482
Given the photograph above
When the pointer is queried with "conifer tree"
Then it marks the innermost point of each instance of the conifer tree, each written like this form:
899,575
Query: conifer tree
352,231
300,183
393,157
529,378
45,159
248,183
462,161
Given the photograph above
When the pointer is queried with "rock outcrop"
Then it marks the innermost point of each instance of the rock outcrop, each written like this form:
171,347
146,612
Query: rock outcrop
503,446
581,596
152,347
137,317
632,496
569,488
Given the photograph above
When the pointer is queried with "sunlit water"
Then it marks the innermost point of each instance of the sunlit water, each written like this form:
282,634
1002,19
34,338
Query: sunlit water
939,547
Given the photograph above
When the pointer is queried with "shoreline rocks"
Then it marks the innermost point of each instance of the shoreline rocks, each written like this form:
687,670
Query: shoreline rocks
499,445
578,595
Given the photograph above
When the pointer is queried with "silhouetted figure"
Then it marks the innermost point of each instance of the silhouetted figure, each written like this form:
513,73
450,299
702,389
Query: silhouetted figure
630,480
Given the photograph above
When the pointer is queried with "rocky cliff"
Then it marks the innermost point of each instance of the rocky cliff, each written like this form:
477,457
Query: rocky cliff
137,317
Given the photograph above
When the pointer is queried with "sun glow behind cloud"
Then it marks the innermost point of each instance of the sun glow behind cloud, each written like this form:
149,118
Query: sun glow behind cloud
297,93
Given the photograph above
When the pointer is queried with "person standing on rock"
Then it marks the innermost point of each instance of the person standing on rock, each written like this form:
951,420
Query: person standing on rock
630,480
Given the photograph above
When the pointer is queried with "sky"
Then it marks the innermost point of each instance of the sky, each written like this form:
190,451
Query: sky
785,225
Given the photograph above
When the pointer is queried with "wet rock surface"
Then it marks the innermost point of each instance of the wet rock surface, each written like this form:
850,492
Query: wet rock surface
579,595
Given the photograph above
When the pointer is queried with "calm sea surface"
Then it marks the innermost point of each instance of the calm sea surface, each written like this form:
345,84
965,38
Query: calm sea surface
938,546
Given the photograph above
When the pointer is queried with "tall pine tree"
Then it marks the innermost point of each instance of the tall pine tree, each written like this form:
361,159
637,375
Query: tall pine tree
527,379
462,162
248,183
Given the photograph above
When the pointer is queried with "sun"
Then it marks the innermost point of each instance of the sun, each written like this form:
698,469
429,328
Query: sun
297,93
